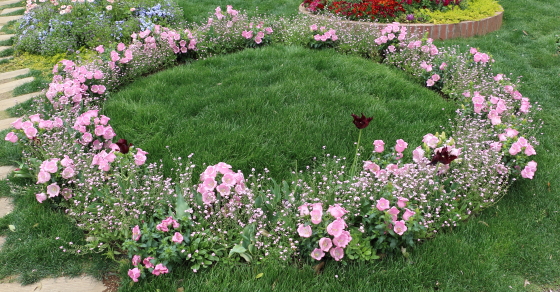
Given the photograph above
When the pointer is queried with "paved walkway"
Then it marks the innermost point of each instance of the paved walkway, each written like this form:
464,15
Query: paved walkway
8,83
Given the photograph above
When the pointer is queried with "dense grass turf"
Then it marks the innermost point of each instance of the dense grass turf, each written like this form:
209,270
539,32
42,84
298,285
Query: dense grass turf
273,108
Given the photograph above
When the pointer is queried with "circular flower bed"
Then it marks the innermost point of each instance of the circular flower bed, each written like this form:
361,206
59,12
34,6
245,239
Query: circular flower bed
376,205
463,29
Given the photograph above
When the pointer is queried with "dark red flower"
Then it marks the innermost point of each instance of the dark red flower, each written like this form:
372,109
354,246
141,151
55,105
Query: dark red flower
124,146
443,156
361,122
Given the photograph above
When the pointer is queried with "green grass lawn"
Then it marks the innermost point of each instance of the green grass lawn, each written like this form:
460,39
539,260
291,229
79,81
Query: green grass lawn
273,107
503,249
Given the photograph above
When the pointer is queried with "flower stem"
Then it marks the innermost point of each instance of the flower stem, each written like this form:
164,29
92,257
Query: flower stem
353,168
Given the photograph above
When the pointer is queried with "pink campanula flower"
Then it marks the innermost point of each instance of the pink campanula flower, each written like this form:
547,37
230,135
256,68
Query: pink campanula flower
136,260
68,172
177,237
30,132
160,269
527,173
418,154
11,137
379,146
529,150
325,244
224,190
148,262
304,231
140,157
136,233
371,166
343,239
121,47
208,198
41,197
514,149
430,82
400,227
473,51
134,274
401,146
336,227
53,190
303,210
407,214
17,124
317,254
162,227
100,49
337,211
316,216
43,177
496,146
337,253
402,202
382,204
49,165
247,34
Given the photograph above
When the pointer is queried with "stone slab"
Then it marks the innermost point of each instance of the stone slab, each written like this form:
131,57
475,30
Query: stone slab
9,86
4,171
8,2
8,103
3,48
6,58
6,206
12,74
10,10
6,124
6,19
6,37
62,284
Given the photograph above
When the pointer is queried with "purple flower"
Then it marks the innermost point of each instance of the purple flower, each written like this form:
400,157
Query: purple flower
124,146
410,17
361,122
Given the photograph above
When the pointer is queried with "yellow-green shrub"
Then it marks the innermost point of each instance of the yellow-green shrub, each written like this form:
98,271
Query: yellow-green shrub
476,10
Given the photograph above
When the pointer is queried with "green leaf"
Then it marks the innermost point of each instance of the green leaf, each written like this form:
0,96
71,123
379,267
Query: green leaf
247,257
12,228
259,275
238,248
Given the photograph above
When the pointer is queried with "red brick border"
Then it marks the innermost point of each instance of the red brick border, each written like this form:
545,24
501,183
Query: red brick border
465,29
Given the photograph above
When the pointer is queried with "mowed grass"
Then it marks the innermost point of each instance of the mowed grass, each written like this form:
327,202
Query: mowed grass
199,11
273,108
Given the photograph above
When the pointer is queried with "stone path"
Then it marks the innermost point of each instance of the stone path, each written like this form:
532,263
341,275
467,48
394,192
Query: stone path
7,84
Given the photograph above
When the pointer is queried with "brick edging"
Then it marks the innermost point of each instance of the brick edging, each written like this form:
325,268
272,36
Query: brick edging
463,29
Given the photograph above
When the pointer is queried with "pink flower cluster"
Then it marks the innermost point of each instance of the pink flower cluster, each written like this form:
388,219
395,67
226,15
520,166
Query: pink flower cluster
327,34
229,180
399,226
164,225
391,32
30,127
259,35
73,88
340,237
136,272
529,170
90,125
176,42
478,56
229,10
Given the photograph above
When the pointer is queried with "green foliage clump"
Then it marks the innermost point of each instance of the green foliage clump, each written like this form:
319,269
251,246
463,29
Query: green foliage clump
477,10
